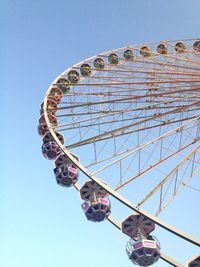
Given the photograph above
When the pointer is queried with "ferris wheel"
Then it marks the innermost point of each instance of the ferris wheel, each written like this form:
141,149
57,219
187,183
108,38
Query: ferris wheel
125,124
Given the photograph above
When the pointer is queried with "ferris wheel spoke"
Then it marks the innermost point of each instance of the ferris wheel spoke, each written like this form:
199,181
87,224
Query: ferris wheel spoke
161,74
193,89
182,59
149,106
77,124
165,179
178,184
181,185
149,71
121,129
171,132
137,83
159,162
128,132
158,64
167,64
145,71
152,165
108,112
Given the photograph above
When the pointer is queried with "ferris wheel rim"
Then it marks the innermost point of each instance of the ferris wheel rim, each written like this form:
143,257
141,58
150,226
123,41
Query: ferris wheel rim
116,195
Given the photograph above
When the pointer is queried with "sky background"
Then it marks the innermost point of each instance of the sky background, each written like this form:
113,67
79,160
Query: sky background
42,224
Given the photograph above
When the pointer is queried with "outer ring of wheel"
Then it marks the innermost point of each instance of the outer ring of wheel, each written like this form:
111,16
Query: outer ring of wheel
110,191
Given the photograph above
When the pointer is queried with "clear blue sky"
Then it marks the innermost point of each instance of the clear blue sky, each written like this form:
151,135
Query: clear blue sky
41,224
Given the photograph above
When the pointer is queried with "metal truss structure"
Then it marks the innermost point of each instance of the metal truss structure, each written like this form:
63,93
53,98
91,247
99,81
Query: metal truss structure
128,119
